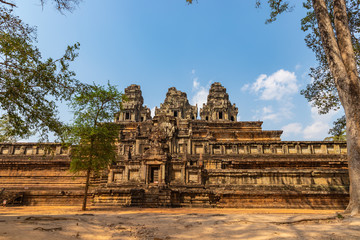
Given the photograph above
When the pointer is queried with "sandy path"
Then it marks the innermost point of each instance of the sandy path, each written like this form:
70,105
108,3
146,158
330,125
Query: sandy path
130,223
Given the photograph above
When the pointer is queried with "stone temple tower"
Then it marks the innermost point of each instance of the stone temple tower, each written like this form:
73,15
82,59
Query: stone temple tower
176,105
133,109
218,106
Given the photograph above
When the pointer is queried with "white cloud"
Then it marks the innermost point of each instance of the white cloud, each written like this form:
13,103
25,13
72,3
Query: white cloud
267,109
238,117
196,83
320,126
193,71
292,129
277,86
323,117
245,87
316,131
267,113
152,112
297,67
282,112
200,97
273,117
200,93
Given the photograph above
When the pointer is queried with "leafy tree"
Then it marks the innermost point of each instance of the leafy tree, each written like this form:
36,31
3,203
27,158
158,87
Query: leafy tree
92,135
5,131
29,84
338,132
334,37
61,5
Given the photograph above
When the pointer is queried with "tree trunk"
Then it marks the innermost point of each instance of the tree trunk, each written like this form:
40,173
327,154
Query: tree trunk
342,63
86,189
353,145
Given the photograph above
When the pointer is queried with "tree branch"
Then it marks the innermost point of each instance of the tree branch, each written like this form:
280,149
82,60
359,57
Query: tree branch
7,3
329,42
344,39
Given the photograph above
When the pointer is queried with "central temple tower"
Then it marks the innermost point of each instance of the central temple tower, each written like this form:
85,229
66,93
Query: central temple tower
176,105
218,106
133,109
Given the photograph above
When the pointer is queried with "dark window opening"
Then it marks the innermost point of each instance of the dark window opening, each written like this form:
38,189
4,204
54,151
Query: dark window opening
207,118
142,119
175,113
192,117
232,118
154,175
220,115
192,163
127,116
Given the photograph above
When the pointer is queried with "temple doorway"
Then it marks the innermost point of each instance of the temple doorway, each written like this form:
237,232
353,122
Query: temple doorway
154,174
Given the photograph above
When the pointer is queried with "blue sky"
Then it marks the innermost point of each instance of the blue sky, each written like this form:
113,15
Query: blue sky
163,43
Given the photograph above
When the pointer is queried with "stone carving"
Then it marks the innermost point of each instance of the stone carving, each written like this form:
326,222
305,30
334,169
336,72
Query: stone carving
133,109
174,160
218,106
162,131
177,105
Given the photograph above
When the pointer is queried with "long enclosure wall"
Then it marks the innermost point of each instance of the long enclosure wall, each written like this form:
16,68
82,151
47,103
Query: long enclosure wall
287,179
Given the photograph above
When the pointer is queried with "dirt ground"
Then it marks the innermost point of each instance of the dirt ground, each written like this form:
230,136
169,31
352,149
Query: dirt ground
58,222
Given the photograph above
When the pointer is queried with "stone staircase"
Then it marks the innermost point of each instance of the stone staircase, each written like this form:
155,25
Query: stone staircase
147,198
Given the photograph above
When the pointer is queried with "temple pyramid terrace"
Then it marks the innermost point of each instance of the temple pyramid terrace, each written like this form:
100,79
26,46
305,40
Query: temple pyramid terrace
181,159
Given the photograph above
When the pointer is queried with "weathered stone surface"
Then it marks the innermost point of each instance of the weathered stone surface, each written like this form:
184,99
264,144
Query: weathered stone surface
218,106
133,109
176,105
178,161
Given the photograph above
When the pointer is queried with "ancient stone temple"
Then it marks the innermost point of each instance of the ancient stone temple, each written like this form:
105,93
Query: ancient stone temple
133,109
218,106
176,160
176,105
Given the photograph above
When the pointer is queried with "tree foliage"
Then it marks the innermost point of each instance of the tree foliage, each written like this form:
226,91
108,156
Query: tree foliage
333,27
277,7
60,5
334,38
29,84
63,5
92,135
322,91
5,131
338,132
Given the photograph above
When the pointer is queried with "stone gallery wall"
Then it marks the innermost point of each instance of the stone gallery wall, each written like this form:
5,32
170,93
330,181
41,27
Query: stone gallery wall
177,160
315,179
39,174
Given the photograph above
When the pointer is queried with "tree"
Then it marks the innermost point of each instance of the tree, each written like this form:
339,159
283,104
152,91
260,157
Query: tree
335,40
61,5
29,84
338,132
92,135
341,62
5,131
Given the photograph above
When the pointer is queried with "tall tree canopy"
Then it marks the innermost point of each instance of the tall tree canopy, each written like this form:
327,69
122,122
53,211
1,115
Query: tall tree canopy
92,135
333,27
334,37
29,84
338,132
61,5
